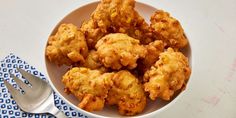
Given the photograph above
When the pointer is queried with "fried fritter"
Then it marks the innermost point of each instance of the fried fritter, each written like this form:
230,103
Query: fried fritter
115,16
93,62
89,86
168,29
92,32
153,51
127,93
169,74
119,50
67,46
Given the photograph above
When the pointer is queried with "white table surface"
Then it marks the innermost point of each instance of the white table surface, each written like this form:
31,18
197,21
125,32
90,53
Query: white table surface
211,25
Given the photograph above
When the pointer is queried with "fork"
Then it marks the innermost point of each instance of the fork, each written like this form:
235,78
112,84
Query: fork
37,98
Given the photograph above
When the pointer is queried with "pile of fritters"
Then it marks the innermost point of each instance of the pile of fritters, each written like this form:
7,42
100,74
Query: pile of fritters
116,58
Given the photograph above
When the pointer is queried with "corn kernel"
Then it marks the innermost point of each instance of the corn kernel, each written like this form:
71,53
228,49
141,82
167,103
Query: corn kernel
114,14
137,32
128,20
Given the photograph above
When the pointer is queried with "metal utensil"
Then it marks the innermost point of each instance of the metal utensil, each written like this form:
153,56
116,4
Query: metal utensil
37,98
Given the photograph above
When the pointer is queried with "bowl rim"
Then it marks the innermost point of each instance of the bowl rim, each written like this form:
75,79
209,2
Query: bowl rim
90,114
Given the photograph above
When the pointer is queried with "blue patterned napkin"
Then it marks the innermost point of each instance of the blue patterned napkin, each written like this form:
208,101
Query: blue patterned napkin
8,107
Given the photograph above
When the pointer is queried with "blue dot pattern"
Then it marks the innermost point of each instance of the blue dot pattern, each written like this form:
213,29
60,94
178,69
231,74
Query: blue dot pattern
8,107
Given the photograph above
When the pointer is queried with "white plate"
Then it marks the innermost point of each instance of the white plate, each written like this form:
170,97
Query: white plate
210,26
55,73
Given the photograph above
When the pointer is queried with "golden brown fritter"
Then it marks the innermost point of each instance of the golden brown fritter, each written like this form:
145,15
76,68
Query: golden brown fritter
92,32
169,74
127,93
168,29
119,50
125,19
67,46
93,62
89,86
153,50
115,16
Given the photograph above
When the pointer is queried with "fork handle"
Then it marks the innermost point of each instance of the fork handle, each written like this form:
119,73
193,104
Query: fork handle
56,112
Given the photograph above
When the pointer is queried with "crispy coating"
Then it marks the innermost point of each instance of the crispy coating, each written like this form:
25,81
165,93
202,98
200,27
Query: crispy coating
67,46
89,86
168,29
153,50
92,32
119,50
93,62
169,74
115,16
127,93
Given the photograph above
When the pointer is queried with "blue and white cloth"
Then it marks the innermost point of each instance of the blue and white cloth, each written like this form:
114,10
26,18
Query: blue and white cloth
8,107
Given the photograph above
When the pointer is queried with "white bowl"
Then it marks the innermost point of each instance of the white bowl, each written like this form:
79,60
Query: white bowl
55,73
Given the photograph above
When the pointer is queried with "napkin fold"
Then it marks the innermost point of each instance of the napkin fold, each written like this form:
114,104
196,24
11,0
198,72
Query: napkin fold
8,107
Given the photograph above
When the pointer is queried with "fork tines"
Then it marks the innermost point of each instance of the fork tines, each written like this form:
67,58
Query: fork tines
16,94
